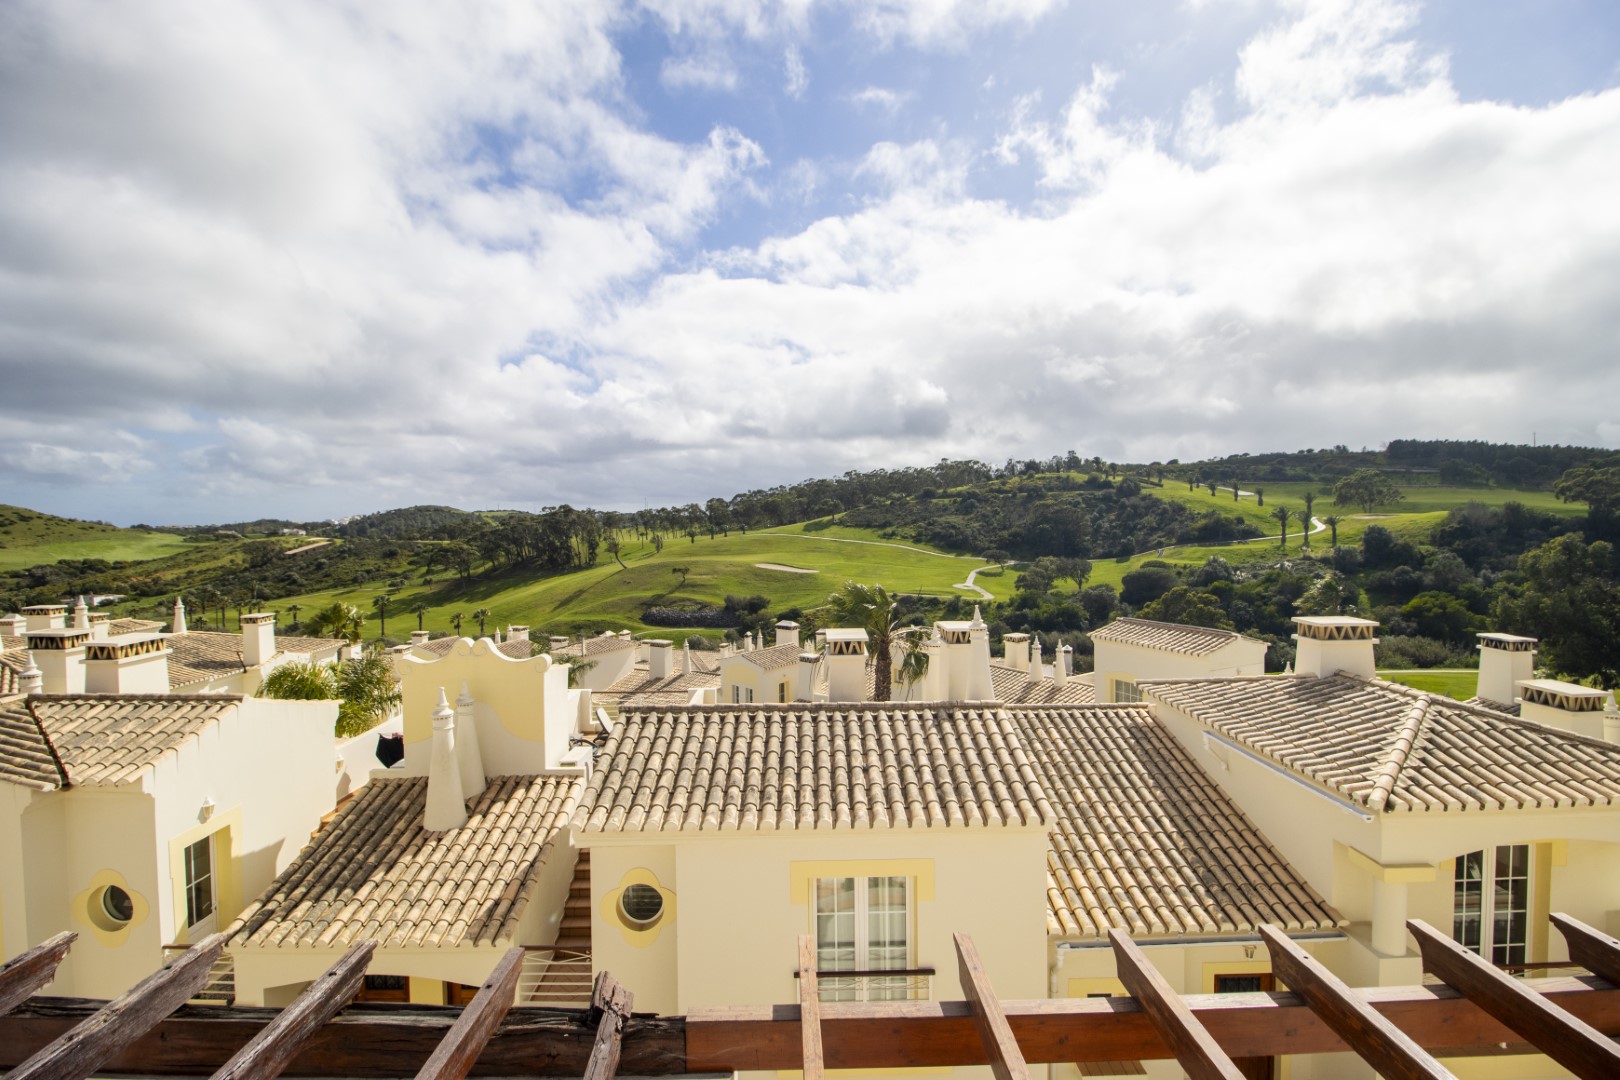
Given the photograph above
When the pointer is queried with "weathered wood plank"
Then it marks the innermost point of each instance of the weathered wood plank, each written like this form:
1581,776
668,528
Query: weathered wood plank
1575,1045
1388,1049
1194,1047
611,1003
94,1042
1006,1060
1591,948
809,1009
453,1058
24,975
274,1048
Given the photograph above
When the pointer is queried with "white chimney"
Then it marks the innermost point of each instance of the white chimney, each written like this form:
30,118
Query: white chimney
660,657
178,624
1327,644
13,625
130,664
258,638
1568,706
468,756
686,658
1505,661
846,664
1037,670
1064,666
937,677
978,684
446,805
420,637
804,684
1015,651
787,632
46,617
32,680
759,640
517,633
60,656
81,615
100,626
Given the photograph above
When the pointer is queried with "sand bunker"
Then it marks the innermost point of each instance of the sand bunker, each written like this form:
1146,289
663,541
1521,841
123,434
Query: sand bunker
785,569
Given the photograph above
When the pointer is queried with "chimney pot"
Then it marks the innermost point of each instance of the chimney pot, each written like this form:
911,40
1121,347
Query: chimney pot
446,802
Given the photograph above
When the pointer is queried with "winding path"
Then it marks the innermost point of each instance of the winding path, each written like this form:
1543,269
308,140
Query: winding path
969,585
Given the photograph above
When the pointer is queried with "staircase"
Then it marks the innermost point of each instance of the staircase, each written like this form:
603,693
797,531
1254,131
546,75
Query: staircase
560,975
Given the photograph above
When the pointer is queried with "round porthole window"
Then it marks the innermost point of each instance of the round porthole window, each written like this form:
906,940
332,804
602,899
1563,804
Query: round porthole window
116,905
641,906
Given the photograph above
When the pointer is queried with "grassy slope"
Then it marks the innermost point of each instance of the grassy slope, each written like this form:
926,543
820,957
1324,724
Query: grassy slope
608,596
1453,684
29,538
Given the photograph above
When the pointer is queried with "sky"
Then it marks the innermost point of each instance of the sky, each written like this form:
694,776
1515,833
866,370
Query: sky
309,260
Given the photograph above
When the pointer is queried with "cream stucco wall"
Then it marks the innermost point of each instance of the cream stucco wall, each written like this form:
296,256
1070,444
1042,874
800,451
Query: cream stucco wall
1117,660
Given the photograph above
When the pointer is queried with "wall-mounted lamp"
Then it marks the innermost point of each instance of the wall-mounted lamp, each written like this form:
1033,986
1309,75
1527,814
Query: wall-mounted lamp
206,811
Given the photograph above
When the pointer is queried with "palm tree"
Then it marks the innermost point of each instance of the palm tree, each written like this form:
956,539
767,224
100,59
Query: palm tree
295,609
337,620
455,621
1332,522
1260,496
380,602
481,614
871,608
420,609
1310,500
1284,515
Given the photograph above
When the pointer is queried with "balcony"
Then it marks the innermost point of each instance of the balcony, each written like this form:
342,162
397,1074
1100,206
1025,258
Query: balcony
895,984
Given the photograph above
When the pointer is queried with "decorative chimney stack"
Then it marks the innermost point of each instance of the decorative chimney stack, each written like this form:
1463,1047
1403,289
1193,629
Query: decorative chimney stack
468,756
100,626
60,656
178,625
787,632
420,637
1505,661
1064,666
1037,670
846,664
517,633
81,615
686,658
804,683
32,680
660,658
13,625
1564,705
46,617
446,804
1015,651
1328,644
129,664
558,643
979,686
258,638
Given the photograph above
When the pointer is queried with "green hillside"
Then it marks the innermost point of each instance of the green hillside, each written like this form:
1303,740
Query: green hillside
30,538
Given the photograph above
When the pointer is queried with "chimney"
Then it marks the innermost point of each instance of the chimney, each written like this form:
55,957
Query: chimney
660,654
686,657
517,633
46,617
60,655
938,675
446,805
1037,670
81,615
397,655
100,624
1568,706
846,664
977,682
178,625
258,638
1015,651
32,680
759,640
1505,661
787,632
804,684
1328,644
13,625
1064,667
468,755
558,643
420,637
130,664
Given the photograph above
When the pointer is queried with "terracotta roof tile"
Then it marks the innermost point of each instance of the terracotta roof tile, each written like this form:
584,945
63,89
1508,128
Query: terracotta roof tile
1145,840
1014,687
118,627
201,655
375,872
811,767
100,739
593,646
26,756
1170,637
1388,747
774,657
517,650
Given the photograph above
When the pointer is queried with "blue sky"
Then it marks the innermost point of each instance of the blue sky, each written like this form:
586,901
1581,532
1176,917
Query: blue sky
308,260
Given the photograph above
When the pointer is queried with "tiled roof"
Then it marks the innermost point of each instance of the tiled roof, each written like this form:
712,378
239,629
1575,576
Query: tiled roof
639,688
1145,840
593,646
117,627
1497,706
13,662
810,767
1388,747
517,650
201,655
773,658
1170,637
101,739
374,872
288,643
1013,687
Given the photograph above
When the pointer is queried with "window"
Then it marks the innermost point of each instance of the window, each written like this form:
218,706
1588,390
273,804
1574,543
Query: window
1256,983
200,882
1125,691
640,906
117,905
863,924
1493,919
741,694
385,988
781,692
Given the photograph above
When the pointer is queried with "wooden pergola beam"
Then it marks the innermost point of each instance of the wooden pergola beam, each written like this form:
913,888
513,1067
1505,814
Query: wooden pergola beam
1006,1059
96,1041
810,1009
272,1049
1575,1045
25,975
1189,1040
456,1053
1594,950
612,1003
1389,1050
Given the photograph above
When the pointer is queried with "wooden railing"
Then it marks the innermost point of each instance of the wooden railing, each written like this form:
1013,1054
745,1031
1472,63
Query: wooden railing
559,978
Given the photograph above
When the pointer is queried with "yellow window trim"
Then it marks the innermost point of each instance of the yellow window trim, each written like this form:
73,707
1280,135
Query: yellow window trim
84,913
226,829
802,874
639,937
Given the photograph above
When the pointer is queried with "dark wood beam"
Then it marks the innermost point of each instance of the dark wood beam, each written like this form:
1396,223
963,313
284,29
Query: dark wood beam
611,1004
1389,1050
96,1041
1594,950
1189,1040
1575,1045
25,975
810,1009
1006,1060
272,1049
456,1053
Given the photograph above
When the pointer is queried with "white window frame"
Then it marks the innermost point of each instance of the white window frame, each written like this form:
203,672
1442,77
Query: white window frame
1126,692
1494,891
833,988
200,886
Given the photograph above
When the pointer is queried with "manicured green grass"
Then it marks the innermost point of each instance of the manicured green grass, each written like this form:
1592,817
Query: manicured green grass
1457,684
608,596
30,538
1421,499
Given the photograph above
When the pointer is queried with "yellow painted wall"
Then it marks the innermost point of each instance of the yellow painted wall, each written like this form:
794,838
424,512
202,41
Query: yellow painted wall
1116,660
522,707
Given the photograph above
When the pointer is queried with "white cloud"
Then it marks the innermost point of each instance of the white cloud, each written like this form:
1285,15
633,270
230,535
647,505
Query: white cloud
797,76
879,99
708,72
